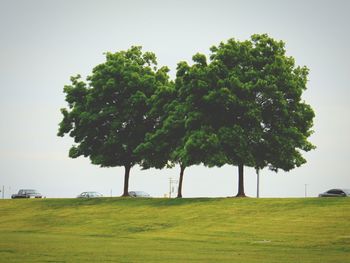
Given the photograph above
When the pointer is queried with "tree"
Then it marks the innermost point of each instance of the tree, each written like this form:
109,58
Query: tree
107,115
175,138
200,142
163,146
245,107
256,89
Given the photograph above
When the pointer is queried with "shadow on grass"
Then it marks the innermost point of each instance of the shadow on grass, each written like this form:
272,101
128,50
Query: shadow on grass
161,202
58,203
170,202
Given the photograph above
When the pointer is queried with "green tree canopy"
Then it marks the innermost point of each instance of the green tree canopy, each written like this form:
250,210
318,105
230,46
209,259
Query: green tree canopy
107,115
257,90
245,106
177,138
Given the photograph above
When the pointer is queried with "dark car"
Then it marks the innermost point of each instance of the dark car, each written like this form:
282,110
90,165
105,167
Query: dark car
89,195
138,194
336,193
27,193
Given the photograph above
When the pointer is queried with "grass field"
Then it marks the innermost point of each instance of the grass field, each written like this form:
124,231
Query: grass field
175,230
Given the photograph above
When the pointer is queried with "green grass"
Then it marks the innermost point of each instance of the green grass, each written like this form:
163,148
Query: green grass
175,230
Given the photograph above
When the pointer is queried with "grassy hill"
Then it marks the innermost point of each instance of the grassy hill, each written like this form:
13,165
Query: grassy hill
175,230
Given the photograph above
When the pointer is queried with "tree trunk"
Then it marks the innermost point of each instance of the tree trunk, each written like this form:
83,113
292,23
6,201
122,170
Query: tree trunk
240,182
179,191
126,180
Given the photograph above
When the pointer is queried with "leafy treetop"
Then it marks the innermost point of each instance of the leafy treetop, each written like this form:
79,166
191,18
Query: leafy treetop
107,116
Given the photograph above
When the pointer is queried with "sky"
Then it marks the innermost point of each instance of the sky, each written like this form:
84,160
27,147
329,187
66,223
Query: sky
43,43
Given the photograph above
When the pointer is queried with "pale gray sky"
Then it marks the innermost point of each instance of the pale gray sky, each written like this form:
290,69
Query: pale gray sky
44,42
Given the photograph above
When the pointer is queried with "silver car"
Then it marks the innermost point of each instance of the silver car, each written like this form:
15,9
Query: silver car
27,193
138,194
89,195
335,193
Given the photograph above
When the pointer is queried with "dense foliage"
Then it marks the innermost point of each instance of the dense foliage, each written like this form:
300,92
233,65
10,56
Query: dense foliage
246,106
107,116
263,95
242,107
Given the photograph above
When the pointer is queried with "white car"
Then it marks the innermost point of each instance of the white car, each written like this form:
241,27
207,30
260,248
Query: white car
89,195
27,193
336,193
138,194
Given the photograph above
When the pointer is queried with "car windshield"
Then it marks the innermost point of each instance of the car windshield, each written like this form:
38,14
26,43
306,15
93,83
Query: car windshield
347,191
30,191
94,194
140,193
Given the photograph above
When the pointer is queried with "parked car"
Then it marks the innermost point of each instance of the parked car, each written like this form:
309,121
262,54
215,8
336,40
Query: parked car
27,193
89,195
138,194
335,193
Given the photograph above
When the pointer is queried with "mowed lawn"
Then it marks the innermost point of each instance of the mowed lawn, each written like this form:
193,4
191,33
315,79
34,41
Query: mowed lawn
175,230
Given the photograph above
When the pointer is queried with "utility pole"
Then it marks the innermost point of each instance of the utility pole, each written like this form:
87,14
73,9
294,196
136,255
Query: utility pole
171,187
305,190
257,183
170,179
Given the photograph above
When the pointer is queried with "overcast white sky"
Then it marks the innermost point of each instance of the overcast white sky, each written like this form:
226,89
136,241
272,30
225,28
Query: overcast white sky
43,43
